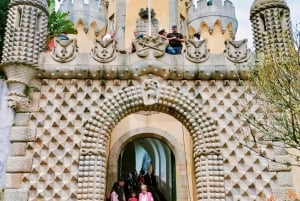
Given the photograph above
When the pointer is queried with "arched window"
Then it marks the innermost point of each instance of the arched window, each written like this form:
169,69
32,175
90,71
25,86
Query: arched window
263,22
38,22
18,17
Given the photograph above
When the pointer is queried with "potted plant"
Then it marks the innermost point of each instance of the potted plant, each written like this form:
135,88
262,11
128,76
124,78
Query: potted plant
58,23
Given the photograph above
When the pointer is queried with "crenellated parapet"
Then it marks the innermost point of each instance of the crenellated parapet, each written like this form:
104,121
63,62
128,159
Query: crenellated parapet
210,13
88,12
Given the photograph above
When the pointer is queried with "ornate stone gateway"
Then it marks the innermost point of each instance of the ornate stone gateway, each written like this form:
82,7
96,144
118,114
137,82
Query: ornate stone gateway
206,148
75,107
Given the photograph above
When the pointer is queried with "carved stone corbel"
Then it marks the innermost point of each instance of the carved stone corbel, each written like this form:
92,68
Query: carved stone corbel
104,51
150,90
197,51
18,78
236,51
64,50
18,103
155,43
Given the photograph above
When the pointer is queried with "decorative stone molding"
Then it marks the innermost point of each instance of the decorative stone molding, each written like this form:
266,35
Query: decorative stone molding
104,51
150,90
171,101
236,51
106,3
18,76
64,50
142,22
197,51
148,44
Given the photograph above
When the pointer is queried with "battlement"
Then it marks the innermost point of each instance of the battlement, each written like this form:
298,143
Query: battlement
216,7
87,11
211,11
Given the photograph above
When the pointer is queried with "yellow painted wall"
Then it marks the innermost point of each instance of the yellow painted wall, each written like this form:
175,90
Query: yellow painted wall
216,39
111,7
161,8
132,14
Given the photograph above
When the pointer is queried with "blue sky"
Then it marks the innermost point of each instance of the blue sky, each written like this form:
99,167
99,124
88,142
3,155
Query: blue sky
242,11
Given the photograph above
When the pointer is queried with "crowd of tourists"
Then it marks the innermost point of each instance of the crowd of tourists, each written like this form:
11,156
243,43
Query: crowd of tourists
174,38
135,187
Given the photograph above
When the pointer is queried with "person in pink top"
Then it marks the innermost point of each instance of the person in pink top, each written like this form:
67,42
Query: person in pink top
133,197
144,194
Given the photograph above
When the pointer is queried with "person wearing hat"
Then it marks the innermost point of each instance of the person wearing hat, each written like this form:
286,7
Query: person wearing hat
175,40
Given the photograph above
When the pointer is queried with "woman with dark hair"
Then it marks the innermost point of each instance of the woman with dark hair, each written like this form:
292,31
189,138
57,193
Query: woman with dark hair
111,196
197,37
162,33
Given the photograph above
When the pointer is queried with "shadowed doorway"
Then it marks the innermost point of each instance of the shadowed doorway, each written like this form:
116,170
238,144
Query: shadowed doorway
140,159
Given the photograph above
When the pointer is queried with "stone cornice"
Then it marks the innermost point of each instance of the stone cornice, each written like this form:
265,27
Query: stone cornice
175,67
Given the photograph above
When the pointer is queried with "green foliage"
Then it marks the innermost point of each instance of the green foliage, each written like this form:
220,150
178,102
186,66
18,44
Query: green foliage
275,84
58,21
3,17
27,90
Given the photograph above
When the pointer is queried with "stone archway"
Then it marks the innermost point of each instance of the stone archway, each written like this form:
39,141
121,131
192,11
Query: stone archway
208,161
162,135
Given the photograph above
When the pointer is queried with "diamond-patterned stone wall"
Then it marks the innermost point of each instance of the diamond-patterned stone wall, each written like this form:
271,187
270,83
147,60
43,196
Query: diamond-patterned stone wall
64,106
272,28
208,162
26,31
246,175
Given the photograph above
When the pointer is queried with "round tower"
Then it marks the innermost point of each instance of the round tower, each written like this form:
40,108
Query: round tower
215,20
24,39
87,11
271,25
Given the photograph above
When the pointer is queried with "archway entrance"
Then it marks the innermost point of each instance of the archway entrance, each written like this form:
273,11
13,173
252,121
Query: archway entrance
149,161
97,151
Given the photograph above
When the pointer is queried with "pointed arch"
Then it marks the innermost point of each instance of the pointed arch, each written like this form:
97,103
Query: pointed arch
208,161
218,26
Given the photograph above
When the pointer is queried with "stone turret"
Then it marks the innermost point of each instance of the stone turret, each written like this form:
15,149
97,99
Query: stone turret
24,39
215,20
87,11
271,25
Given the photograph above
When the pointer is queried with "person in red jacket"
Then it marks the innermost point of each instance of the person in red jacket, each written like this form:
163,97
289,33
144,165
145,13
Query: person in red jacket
144,195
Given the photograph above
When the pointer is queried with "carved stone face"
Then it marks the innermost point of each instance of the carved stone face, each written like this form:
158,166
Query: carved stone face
150,91
64,50
104,51
197,51
237,51
149,44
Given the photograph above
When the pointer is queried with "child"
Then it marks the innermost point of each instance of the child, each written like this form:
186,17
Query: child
133,197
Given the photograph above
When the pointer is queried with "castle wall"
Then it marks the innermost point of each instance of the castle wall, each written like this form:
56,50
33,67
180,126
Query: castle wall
64,106
6,119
